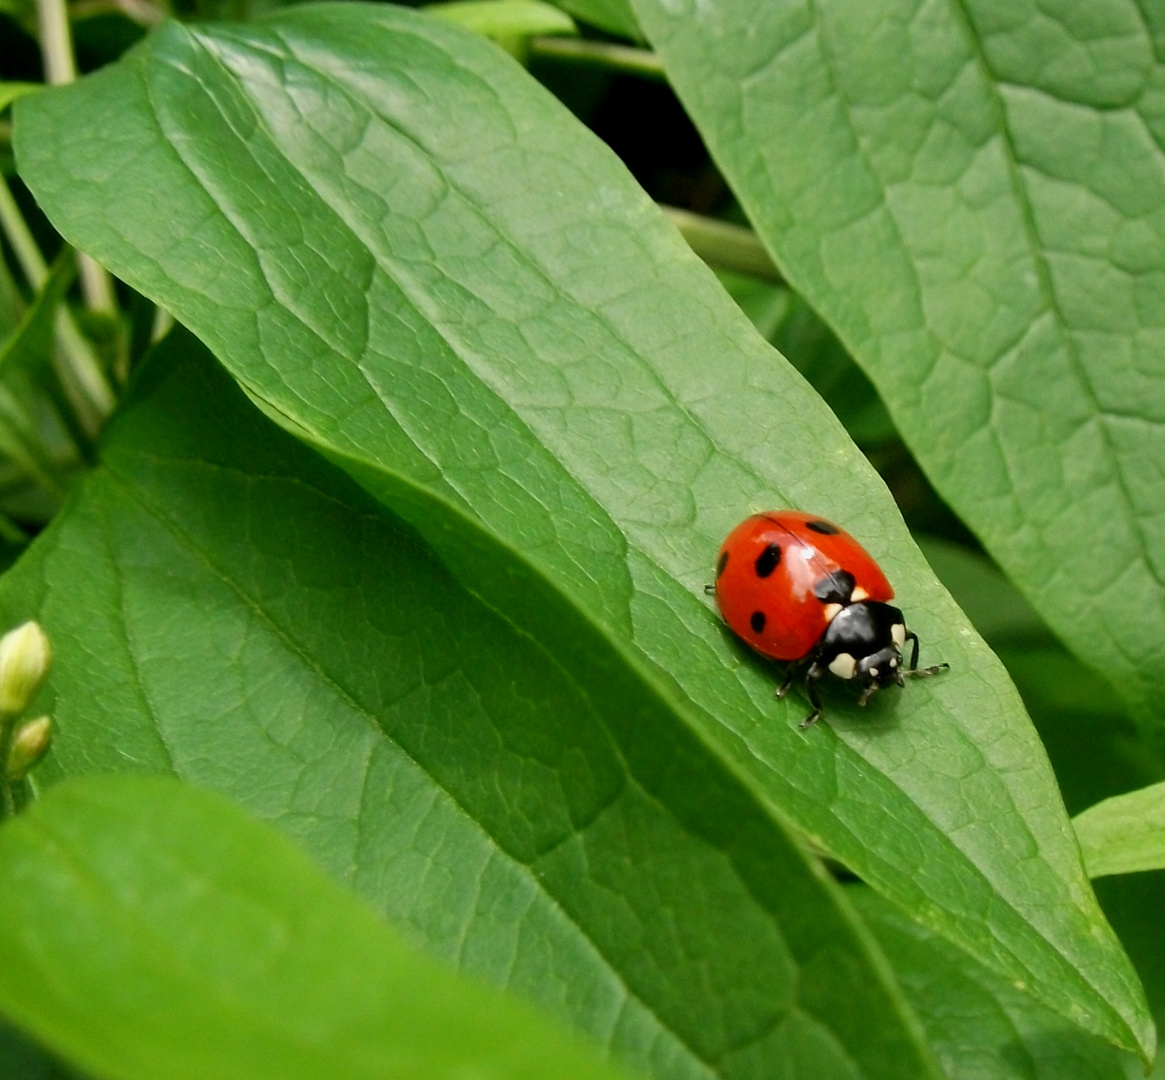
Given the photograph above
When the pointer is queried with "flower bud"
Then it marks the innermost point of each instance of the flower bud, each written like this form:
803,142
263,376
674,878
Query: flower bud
24,659
29,745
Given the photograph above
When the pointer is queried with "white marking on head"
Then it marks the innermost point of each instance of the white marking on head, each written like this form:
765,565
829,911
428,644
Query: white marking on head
893,662
859,594
874,672
831,610
898,634
843,666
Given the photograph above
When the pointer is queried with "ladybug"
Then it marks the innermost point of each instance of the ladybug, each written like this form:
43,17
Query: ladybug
796,587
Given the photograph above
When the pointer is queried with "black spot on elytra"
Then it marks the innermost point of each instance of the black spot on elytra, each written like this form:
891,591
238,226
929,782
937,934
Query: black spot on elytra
835,588
757,622
768,560
721,563
826,528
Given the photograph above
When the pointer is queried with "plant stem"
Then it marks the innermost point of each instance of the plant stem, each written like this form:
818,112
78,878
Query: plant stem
81,376
602,53
18,234
140,11
724,245
56,43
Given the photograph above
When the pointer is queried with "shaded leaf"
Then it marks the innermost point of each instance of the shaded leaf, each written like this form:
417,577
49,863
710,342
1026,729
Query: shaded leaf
1134,903
22,1059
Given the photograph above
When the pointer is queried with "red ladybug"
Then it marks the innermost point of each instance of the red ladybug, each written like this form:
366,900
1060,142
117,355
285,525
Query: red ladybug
796,587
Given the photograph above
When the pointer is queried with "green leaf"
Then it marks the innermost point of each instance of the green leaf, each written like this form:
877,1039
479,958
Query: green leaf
504,18
388,233
224,605
148,929
970,195
1124,834
614,16
982,1027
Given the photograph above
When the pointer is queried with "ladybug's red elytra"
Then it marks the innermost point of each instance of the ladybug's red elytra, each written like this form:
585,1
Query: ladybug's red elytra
796,587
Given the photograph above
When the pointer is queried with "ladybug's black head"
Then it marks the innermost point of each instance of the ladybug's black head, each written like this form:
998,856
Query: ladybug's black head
883,668
864,641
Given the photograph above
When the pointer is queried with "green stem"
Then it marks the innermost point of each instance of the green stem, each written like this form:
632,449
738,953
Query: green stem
601,53
163,323
724,245
96,284
20,237
81,376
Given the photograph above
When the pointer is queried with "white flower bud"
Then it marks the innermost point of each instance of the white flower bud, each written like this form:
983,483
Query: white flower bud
29,745
24,659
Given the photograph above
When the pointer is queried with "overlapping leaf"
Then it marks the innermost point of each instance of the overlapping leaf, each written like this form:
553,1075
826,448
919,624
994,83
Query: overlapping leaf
148,929
415,260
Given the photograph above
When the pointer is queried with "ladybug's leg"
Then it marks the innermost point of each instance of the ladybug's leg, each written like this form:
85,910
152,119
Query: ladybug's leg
787,685
811,676
914,671
913,639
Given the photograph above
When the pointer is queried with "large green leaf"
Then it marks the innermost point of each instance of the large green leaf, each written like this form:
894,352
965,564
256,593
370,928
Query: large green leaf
149,930
225,605
416,260
973,196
